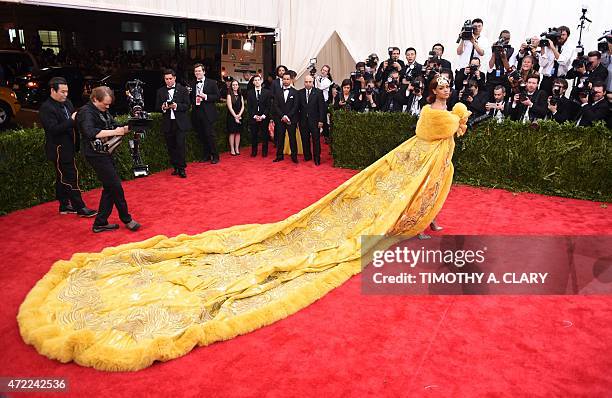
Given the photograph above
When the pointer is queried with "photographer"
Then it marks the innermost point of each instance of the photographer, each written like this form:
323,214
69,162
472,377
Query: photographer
346,99
473,98
412,68
584,71
499,108
371,64
173,101
454,94
563,54
560,108
529,103
502,58
606,59
593,107
471,72
323,81
391,64
413,98
528,49
368,98
390,96
471,43
95,124
438,50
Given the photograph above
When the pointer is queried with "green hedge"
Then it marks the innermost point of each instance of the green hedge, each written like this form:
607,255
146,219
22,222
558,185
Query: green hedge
27,178
550,158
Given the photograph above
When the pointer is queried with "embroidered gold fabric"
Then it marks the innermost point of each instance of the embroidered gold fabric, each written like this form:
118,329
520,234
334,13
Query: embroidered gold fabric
128,306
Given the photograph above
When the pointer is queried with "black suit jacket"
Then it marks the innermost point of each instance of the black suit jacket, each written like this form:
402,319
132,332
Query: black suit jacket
181,99
417,70
506,111
409,100
59,130
261,107
537,111
277,85
207,105
477,106
594,112
315,110
289,108
566,110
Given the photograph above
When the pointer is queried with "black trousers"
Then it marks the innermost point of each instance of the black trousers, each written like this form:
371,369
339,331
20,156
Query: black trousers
207,135
175,142
280,129
259,129
66,184
307,130
112,191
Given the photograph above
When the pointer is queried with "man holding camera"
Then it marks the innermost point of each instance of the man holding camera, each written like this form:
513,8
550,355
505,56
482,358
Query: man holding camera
471,43
313,112
499,108
530,103
392,64
173,100
438,51
594,107
584,71
204,94
57,117
473,98
391,96
471,72
413,98
562,54
560,108
502,58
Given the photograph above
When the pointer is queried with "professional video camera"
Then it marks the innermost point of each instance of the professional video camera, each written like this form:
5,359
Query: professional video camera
602,42
551,36
372,61
138,123
467,31
581,61
312,66
500,46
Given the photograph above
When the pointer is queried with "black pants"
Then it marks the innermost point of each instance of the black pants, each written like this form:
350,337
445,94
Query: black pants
66,184
207,135
307,130
280,129
112,192
259,129
175,142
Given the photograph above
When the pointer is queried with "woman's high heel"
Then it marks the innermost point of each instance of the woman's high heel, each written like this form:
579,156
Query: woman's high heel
435,227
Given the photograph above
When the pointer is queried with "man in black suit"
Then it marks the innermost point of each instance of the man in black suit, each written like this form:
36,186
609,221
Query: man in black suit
499,108
277,83
173,100
531,104
596,108
311,106
61,144
474,98
561,109
412,68
259,101
204,94
439,50
285,118
412,96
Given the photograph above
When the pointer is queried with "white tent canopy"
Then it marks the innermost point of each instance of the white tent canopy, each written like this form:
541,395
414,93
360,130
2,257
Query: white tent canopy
364,26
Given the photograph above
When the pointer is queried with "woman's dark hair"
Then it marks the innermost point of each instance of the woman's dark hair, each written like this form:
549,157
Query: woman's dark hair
432,86
346,82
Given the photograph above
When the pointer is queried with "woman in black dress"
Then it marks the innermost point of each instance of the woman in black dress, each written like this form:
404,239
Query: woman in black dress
235,109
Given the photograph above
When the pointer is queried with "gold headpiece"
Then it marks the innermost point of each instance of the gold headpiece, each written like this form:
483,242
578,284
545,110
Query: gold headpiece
442,80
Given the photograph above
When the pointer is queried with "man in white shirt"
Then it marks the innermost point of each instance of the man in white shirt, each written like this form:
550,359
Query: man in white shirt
556,59
477,46
323,82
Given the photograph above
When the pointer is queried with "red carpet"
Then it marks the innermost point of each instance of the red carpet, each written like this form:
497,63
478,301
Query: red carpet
346,344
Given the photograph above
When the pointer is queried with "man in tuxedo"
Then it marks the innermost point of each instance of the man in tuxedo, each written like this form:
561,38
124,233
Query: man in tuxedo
499,108
277,83
259,101
413,98
595,107
61,144
412,68
474,98
439,50
204,94
311,106
173,100
285,118
561,109
531,104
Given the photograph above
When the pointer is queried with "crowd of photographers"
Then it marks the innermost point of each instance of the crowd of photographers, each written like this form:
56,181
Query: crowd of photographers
494,80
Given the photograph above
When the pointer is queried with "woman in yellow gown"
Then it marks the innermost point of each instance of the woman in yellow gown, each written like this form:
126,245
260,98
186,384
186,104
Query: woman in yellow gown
128,306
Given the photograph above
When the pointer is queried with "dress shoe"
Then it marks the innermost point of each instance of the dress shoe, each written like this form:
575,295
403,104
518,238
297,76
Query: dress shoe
277,159
67,209
132,225
294,159
214,161
264,154
317,162
253,154
181,173
307,159
175,172
103,228
86,212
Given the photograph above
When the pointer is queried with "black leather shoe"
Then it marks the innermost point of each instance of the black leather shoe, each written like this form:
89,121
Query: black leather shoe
294,159
103,228
181,173
317,162
277,159
264,154
86,212
67,209
132,225
214,161
253,154
175,172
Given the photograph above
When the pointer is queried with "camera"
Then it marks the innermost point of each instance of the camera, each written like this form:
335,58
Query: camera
372,61
551,36
522,92
473,69
500,46
514,75
603,41
369,90
556,96
392,84
467,31
580,62
416,86
311,66
139,122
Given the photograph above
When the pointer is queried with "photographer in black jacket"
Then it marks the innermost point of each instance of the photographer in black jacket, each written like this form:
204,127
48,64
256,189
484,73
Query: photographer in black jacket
61,144
560,108
502,57
390,65
96,126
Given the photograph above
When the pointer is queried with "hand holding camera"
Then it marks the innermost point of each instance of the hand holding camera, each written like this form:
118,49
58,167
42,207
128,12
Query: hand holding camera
552,105
121,130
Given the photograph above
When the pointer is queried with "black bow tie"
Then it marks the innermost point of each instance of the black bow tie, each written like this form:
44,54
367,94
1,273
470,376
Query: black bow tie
199,81
285,89
171,88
